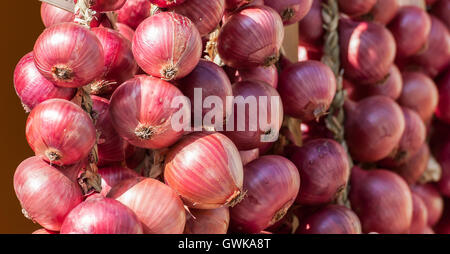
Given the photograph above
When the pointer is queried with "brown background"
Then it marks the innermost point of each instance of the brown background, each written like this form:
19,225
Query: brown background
20,26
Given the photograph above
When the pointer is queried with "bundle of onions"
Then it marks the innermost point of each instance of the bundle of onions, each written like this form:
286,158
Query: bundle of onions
291,11
213,221
134,12
432,200
113,175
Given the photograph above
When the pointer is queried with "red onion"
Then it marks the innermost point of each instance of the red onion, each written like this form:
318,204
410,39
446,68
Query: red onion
213,221
141,112
106,5
44,231
367,50
212,81
156,205
167,3
100,215
265,74
382,200
356,7
251,37
384,11
441,9
69,55
443,109
428,231
51,15
261,123
32,88
136,157
113,175
432,200
436,57
414,168
291,11
443,227
134,12
205,169
272,183
310,28
46,193
443,158
420,215
234,4
410,27
126,31
374,127
391,87
419,94
430,2
206,15
167,45
249,156
324,170
119,65
307,89
332,219
60,132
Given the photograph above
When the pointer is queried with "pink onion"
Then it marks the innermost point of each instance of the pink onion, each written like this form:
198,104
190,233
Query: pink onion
384,11
205,169
69,55
291,11
213,221
249,156
167,3
420,215
356,7
232,5
272,183
310,28
106,5
391,87
51,15
113,175
46,193
414,168
443,110
32,88
126,31
443,227
307,89
251,37
60,132
432,200
167,45
156,205
266,74
441,9
134,12
44,231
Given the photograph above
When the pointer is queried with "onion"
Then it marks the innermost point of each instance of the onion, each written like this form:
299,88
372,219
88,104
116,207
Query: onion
391,87
46,193
356,7
126,31
32,88
307,89
119,65
205,169
419,94
324,170
382,200
136,157
60,132
261,123
332,219
410,27
251,37
441,9
44,231
443,109
443,227
432,200
213,221
100,215
113,175
69,55
291,11
141,112
367,50
374,127
265,74
206,15
310,28
272,183
436,57
106,5
414,168
167,3
234,4
420,215
156,205
249,156
212,81
134,12
167,45
443,157
51,15
384,11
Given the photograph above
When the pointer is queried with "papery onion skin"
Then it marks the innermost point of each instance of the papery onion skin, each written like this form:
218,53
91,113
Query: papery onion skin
213,221
384,11
167,3
126,31
255,133
167,45
310,28
106,5
291,11
356,7
441,9
324,170
420,94
367,50
382,200
443,109
411,28
266,74
33,88
134,12
60,132
69,55
307,89
46,193
156,205
432,200
51,15
100,215
414,168
205,154
272,183
391,87
420,215
141,112
206,15
374,127
331,219
249,156
113,175
251,37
